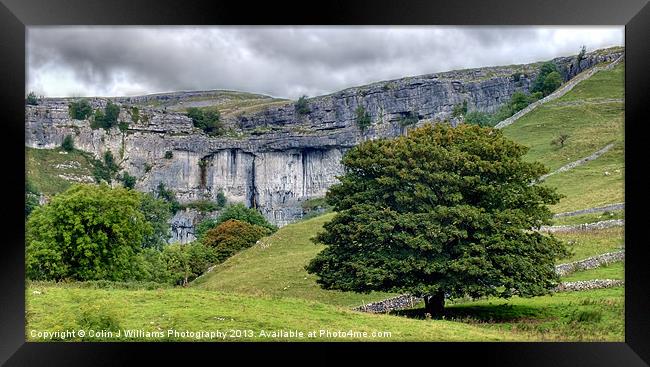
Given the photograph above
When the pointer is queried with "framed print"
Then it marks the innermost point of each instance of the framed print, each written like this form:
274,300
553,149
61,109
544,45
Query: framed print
205,177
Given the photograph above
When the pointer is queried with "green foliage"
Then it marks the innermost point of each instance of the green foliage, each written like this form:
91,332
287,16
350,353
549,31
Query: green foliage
459,109
68,143
581,54
123,126
301,106
206,120
127,180
80,109
169,154
167,195
186,262
410,118
135,114
314,207
106,170
241,212
147,167
479,118
548,69
107,118
442,211
157,213
363,118
31,99
551,83
88,232
232,236
203,206
221,199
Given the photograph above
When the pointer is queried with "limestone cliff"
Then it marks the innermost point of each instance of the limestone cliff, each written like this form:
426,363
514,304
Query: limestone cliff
273,158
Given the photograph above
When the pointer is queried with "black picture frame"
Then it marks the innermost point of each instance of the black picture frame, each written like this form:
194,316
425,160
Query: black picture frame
15,15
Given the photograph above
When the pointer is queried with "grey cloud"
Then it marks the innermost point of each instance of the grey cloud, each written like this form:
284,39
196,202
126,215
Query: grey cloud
280,61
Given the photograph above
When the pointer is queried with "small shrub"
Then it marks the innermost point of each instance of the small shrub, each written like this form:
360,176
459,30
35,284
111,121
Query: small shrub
301,106
363,118
127,180
107,118
68,143
80,110
560,140
123,126
478,118
459,109
169,154
232,236
135,114
31,99
410,118
221,199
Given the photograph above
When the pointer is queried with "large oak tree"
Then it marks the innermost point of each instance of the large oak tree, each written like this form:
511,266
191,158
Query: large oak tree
441,213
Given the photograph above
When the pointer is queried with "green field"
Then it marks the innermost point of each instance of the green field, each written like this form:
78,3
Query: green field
610,271
276,268
588,218
584,244
590,124
57,307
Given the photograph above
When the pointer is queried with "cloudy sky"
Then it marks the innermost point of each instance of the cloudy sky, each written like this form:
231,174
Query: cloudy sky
278,61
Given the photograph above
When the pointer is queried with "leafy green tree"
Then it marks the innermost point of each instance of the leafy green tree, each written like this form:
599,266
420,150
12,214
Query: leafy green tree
31,99
206,120
87,232
68,143
441,213
232,236
546,68
551,83
169,196
241,212
157,213
128,180
80,109
363,118
301,106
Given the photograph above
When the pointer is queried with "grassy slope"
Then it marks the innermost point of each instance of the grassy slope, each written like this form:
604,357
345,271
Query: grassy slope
584,244
588,218
276,268
43,167
588,115
611,271
68,307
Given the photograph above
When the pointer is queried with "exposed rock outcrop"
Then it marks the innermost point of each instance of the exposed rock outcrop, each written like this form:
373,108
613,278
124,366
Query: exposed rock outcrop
273,158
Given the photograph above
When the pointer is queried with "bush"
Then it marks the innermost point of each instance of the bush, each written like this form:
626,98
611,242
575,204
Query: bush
169,196
459,109
107,118
546,69
31,198
80,110
68,143
232,236
127,180
244,214
410,118
87,232
478,118
135,114
123,126
551,83
186,262
301,106
206,120
560,140
169,154
221,199
31,99
106,170
363,118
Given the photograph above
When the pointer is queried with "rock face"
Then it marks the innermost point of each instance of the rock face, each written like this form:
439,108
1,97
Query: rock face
275,158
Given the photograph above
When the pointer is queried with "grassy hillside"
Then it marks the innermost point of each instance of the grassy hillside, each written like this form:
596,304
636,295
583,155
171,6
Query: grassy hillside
275,267
56,307
592,115
54,170
584,244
